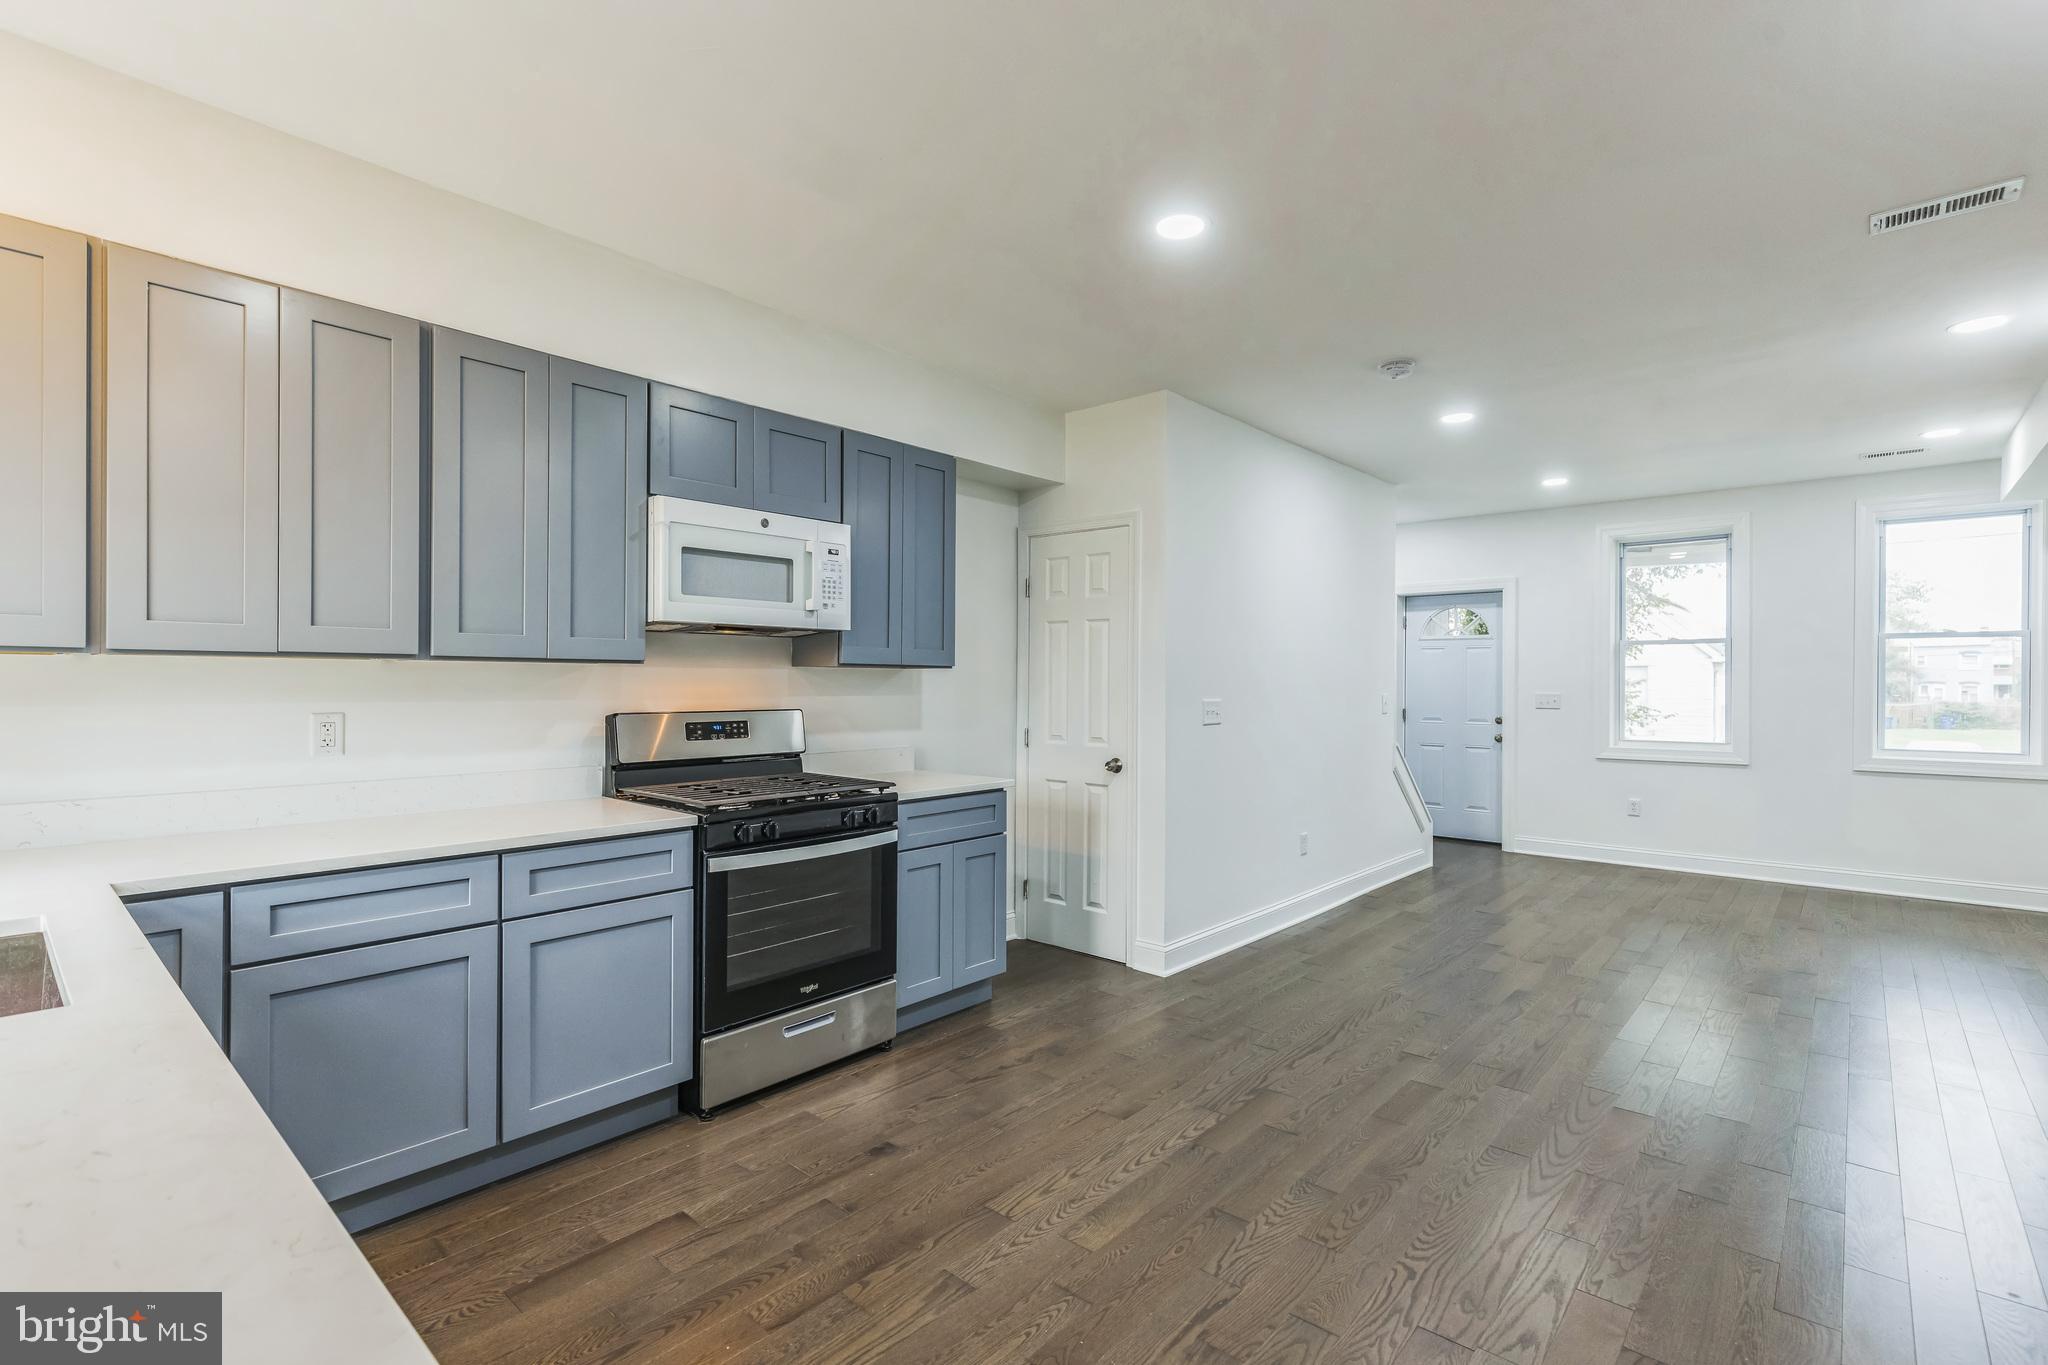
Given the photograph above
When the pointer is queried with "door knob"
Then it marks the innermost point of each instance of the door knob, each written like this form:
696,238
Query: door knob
1115,765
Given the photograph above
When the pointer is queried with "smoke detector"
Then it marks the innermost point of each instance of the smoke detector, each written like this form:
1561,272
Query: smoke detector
1891,454
1948,206
1397,369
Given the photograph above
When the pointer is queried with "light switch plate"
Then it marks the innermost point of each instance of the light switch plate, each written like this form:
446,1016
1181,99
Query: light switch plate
1212,710
1386,703
1550,701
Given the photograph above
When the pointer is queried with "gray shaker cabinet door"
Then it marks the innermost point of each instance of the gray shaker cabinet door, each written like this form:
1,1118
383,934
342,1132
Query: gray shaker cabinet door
980,940
925,881
930,485
188,934
348,550
44,452
374,1063
796,466
597,514
191,540
597,1009
700,447
874,507
489,576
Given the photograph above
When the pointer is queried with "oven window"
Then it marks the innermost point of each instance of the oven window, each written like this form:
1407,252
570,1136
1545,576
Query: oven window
788,919
734,577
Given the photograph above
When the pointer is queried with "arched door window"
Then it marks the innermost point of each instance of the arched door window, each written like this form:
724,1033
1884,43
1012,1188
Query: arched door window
1454,622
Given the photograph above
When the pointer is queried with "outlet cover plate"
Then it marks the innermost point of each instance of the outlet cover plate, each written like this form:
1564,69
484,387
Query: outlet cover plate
1212,710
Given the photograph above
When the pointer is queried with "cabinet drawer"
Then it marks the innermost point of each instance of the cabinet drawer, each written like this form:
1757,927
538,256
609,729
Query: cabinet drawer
348,909
948,819
545,879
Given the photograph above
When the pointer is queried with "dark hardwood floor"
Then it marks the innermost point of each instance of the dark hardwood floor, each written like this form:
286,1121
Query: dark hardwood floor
1511,1109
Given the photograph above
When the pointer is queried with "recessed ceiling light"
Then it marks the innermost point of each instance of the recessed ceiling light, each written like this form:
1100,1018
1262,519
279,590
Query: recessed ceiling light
1178,227
1983,324
1456,419
1941,433
1556,481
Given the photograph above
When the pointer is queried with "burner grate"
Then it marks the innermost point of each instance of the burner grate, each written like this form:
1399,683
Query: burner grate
726,793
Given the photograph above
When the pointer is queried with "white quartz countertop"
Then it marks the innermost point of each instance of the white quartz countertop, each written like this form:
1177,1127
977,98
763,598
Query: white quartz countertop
919,785
132,1157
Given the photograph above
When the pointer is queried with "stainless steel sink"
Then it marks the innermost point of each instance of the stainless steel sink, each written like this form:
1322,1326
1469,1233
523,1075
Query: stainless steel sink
28,979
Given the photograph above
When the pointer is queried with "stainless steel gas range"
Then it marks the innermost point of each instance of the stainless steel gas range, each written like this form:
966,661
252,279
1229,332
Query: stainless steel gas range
796,891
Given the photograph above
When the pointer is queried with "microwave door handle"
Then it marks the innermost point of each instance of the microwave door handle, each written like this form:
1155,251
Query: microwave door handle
810,575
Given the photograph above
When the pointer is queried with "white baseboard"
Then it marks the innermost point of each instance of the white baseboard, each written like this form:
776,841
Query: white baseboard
1164,959
1797,874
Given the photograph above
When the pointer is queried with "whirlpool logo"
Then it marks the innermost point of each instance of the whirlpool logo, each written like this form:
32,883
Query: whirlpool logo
168,1329
806,990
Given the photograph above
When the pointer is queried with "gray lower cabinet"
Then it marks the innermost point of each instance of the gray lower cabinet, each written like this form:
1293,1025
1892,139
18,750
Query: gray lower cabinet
899,500
597,514
191,457
951,920
348,535
188,934
374,1063
488,581
597,1009
700,447
44,451
796,466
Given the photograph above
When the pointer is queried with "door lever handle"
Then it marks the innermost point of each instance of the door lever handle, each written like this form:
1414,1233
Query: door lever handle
1115,765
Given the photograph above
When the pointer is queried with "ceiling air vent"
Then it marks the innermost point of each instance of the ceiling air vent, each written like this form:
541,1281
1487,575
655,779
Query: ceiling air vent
1969,201
1891,454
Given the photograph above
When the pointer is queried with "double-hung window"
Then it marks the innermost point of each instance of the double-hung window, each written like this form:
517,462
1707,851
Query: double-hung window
1677,617
1949,649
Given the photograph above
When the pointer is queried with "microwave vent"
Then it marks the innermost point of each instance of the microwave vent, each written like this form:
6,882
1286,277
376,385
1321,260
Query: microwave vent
1948,206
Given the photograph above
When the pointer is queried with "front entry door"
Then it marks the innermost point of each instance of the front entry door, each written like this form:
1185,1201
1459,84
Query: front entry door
1453,733
1078,829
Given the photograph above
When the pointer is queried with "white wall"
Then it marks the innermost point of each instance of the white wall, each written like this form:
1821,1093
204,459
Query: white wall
2024,470
1266,576
110,746
1798,812
94,747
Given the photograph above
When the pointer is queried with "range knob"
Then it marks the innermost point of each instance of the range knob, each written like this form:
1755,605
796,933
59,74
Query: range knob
848,818
772,830
871,816
744,833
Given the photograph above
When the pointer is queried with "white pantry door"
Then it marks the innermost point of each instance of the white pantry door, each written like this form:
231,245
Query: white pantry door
1078,827
1453,733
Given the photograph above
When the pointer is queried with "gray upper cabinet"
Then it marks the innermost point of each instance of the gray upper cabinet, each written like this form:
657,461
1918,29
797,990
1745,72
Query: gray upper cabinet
597,514
597,1009
191,459
348,553
489,576
700,447
188,934
930,486
796,466
44,453
374,1063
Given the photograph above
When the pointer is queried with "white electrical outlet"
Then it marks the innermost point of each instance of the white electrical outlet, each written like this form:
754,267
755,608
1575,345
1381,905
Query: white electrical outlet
1550,701
328,735
1304,843
1212,710
1635,805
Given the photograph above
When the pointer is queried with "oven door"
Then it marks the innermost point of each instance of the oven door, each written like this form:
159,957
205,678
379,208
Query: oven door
703,571
788,925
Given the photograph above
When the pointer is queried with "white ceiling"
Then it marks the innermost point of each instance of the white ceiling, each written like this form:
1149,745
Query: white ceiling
1631,235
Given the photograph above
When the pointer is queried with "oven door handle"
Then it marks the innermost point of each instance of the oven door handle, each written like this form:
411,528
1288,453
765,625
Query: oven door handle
831,848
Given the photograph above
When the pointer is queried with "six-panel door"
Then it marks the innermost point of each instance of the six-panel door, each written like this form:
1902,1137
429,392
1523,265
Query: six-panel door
924,924
191,459
489,590
700,447
43,436
796,466
189,936
597,514
348,534
597,1009
374,1063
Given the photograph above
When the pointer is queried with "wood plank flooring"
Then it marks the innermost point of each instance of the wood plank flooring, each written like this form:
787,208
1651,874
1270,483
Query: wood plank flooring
1508,1110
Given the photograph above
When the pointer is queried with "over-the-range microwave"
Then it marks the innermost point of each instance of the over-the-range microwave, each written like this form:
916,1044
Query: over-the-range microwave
714,568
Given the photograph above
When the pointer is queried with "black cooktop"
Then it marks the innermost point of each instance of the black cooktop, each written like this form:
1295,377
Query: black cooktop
759,792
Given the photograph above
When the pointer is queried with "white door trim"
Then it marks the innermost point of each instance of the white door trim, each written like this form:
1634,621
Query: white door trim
1139,770
1511,693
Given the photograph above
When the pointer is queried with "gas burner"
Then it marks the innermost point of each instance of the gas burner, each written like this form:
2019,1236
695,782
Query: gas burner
746,793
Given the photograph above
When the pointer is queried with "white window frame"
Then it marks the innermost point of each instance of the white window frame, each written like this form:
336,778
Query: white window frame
1868,710
1735,750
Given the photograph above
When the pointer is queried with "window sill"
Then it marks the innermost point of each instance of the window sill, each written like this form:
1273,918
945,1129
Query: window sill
2014,770
1723,757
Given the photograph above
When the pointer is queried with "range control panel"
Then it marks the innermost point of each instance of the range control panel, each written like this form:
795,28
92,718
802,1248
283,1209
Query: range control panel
714,729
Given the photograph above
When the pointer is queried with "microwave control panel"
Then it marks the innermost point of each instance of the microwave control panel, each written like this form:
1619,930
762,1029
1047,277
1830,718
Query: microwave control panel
831,577
714,729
